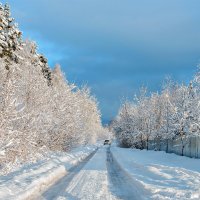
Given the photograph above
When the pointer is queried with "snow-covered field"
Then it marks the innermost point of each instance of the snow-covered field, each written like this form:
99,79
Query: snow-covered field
32,179
158,175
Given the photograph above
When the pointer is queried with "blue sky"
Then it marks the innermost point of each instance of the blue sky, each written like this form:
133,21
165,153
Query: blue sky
115,46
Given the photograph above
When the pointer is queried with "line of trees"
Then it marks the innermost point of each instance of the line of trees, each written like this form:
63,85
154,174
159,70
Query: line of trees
173,113
39,109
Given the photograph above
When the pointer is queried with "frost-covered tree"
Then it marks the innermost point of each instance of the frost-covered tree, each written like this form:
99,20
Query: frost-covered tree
172,114
10,37
125,124
195,106
40,110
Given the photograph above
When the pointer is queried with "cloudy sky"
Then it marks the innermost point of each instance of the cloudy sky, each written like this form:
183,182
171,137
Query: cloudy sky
115,46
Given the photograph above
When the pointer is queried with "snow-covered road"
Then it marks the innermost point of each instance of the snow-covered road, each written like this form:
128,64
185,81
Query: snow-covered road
96,178
109,173
120,183
115,173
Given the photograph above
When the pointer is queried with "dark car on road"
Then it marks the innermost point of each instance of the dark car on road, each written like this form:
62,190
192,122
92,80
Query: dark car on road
107,142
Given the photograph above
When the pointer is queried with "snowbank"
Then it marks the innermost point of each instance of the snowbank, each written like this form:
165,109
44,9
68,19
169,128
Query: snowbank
158,175
25,182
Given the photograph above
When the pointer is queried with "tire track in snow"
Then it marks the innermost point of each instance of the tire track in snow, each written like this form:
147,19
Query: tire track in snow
120,184
91,183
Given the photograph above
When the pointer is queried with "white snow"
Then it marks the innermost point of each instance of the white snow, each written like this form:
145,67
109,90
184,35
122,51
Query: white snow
92,181
158,175
121,174
89,183
98,179
35,178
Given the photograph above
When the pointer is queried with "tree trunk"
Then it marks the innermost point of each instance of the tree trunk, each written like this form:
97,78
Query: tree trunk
147,143
183,146
167,149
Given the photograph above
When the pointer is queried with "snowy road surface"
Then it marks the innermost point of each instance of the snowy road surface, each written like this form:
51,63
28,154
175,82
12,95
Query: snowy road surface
115,173
97,177
109,174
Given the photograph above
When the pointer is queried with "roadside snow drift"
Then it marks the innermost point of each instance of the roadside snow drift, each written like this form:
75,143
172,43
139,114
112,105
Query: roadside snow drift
158,175
35,178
